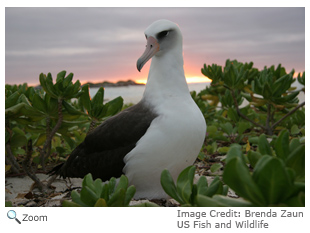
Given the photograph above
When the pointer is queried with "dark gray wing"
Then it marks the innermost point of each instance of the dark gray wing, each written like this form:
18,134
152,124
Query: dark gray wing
104,149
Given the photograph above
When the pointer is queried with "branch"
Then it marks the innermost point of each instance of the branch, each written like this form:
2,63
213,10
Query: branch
11,159
92,125
27,167
268,119
240,113
49,137
288,114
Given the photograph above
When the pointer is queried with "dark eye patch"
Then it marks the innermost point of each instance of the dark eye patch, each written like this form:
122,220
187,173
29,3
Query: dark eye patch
162,34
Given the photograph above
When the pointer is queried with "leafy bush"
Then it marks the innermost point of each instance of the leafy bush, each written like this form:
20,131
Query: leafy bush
44,125
185,191
277,179
270,94
255,123
95,193
108,194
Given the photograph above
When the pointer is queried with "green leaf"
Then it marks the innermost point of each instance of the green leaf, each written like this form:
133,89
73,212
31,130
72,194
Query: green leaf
100,203
85,98
243,126
60,76
185,183
288,98
105,192
214,147
253,157
71,110
68,80
111,185
131,190
169,187
232,114
122,183
296,160
117,199
42,79
98,186
14,110
221,201
295,130
201,155
272,178
227,127
40,140
88,182
202,185
114,106
145,204
215,167
76,88
205,201
211,130
66,203
39,103
281,85
98,98
236,170
50,89
223,150
297,200
88,196
301,78
225,190
263,145
18,140
294,144
76,198
215,187
253,140
282,145
235,151
52,105
11,100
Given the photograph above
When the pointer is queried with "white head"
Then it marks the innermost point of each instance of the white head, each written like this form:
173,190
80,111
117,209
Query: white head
162,36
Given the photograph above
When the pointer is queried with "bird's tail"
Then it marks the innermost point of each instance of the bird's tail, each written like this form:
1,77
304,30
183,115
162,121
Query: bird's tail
56,170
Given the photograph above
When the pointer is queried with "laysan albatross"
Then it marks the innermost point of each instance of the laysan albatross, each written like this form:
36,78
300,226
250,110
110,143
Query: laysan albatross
165,130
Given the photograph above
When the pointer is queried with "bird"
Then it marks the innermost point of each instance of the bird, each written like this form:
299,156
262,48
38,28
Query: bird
164,130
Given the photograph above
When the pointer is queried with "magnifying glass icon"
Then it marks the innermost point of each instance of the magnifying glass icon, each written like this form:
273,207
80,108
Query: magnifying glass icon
12,215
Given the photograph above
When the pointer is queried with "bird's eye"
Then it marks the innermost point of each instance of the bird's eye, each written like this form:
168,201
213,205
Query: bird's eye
162,34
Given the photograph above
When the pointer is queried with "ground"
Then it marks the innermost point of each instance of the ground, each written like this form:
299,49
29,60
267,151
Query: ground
18,191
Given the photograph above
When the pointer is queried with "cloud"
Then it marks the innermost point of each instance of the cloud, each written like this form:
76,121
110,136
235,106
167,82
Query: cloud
104,43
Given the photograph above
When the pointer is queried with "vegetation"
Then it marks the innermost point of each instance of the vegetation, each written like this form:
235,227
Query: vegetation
255,139
108,194
42,126
257,125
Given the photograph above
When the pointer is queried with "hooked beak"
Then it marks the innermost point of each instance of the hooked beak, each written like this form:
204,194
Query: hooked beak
152,47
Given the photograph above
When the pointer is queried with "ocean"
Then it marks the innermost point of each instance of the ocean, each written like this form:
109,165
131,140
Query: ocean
133,94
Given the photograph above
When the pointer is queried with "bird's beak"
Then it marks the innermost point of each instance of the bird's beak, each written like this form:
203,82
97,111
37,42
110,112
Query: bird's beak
152,47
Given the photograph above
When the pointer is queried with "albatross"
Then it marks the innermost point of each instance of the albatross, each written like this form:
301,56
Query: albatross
165,130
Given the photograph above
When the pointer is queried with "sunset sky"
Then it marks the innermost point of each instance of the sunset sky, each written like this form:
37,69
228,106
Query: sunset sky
103,44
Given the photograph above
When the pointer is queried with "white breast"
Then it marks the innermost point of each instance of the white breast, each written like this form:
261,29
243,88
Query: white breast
172,142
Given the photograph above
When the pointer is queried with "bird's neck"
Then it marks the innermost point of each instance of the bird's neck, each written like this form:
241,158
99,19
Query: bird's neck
166,77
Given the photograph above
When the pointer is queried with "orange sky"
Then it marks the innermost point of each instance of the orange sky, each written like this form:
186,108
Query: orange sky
192,74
